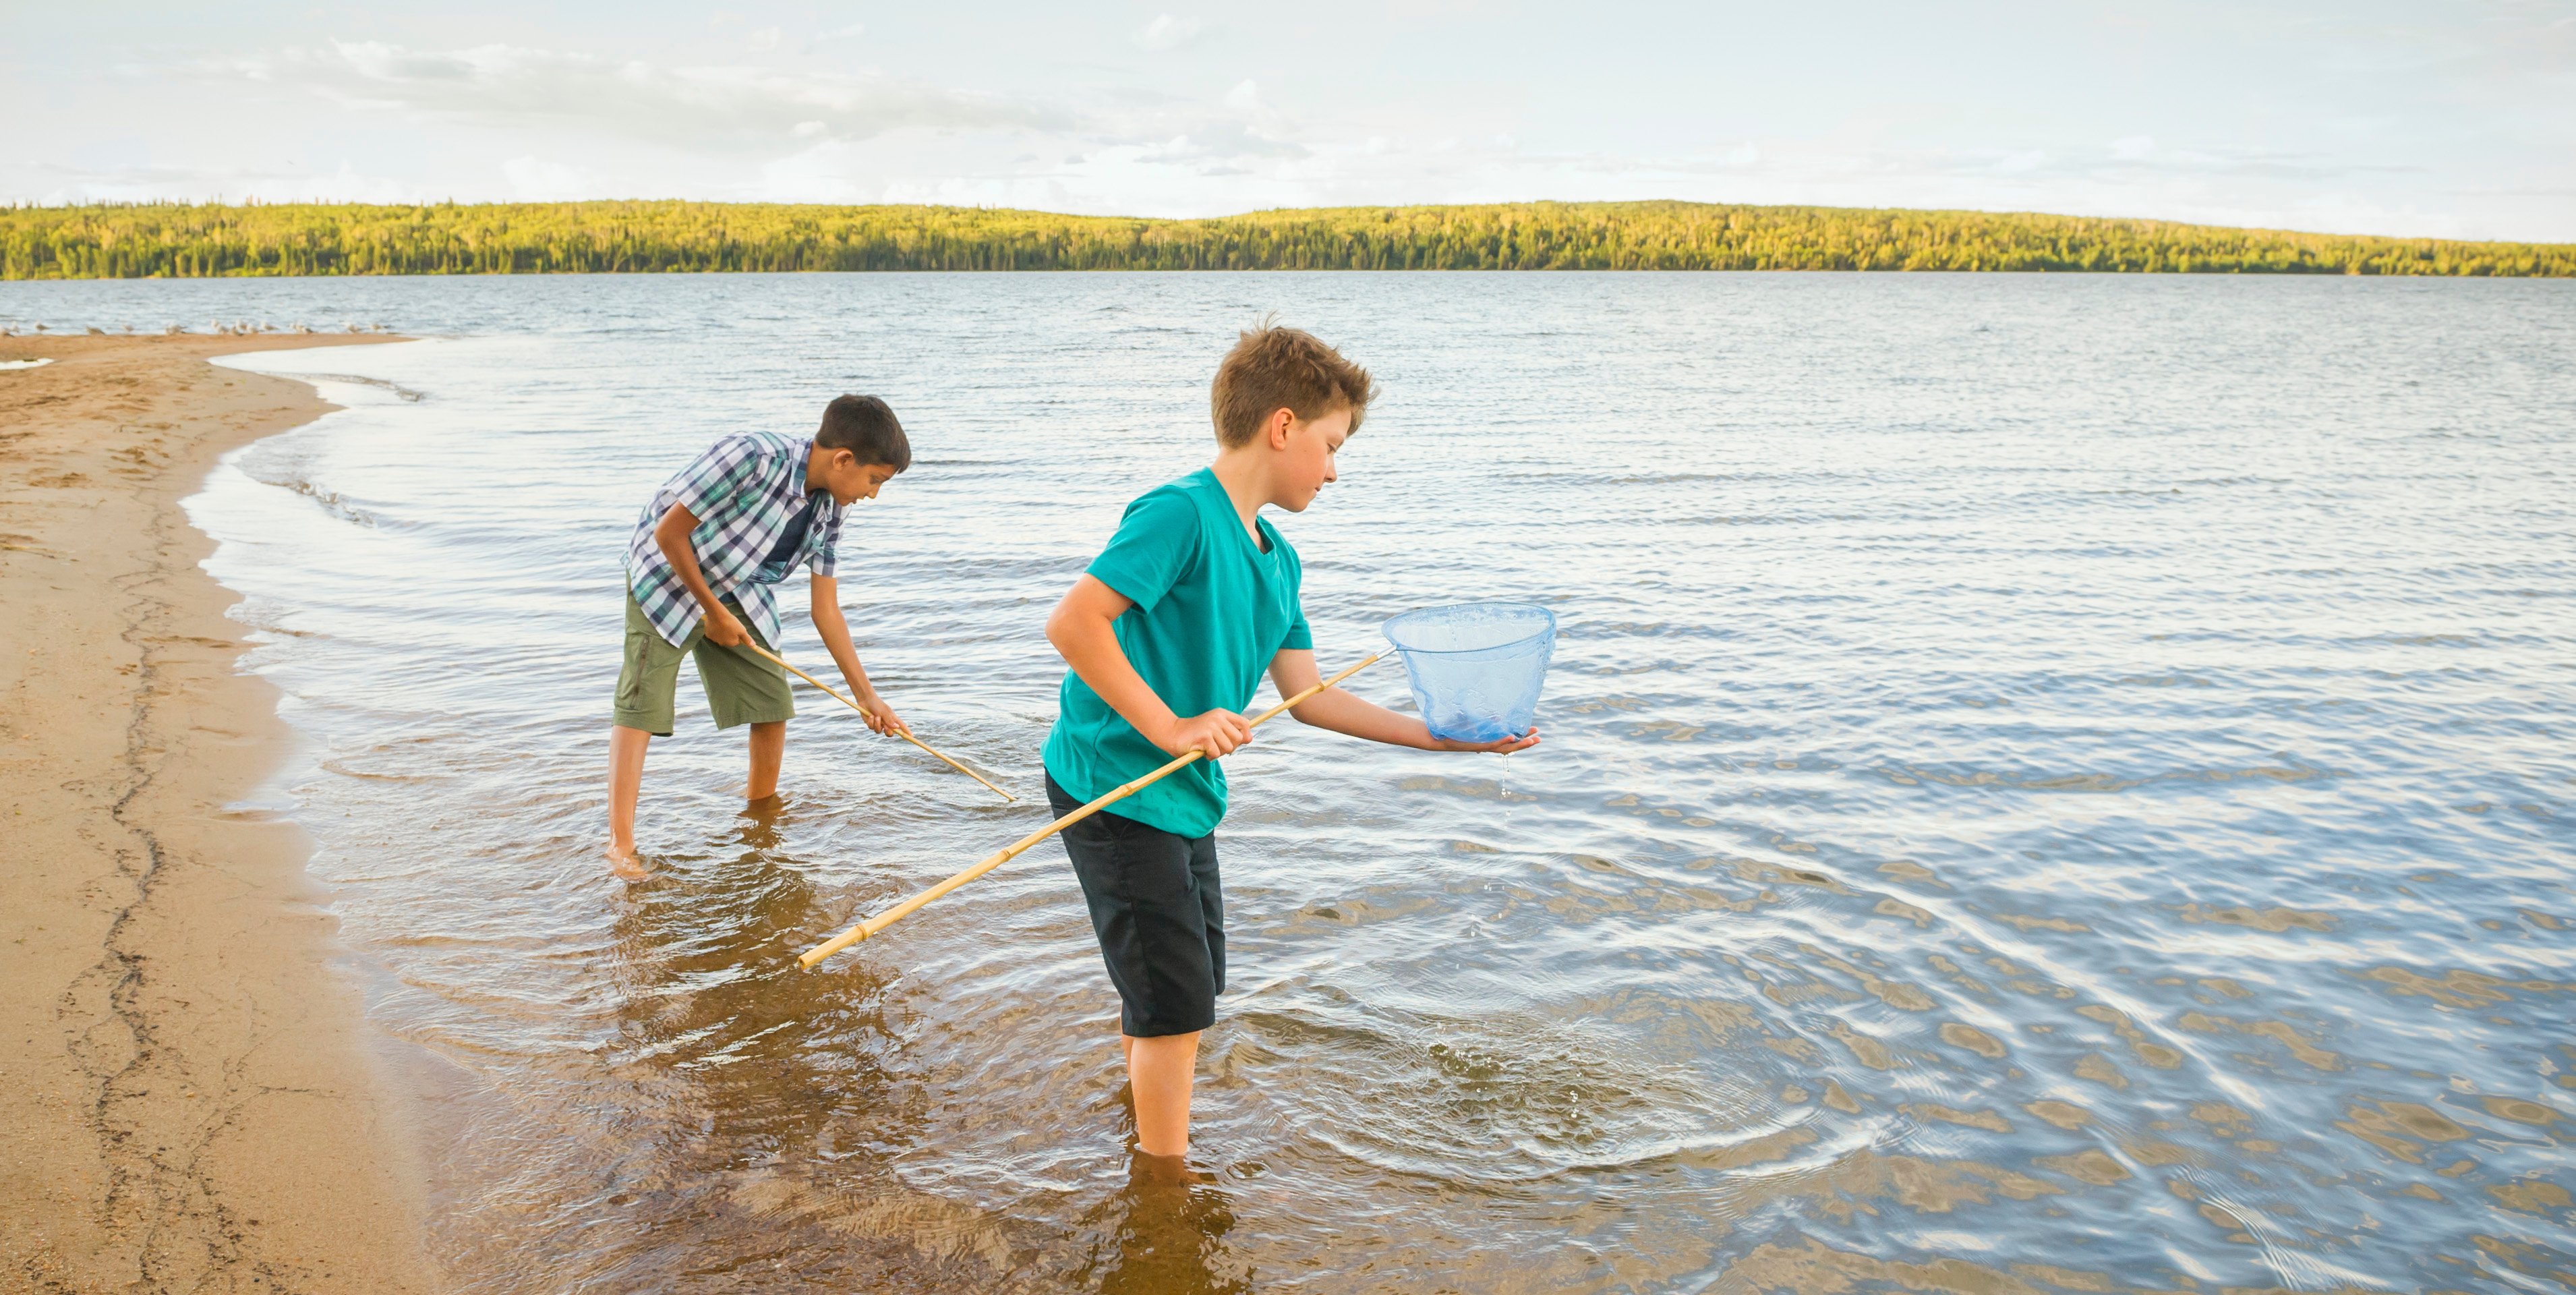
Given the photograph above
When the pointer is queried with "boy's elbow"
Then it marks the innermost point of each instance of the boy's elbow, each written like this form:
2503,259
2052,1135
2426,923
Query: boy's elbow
1059,629
1079,626
672,532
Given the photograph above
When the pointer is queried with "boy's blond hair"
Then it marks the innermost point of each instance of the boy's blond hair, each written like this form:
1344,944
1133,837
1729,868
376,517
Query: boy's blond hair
1272,368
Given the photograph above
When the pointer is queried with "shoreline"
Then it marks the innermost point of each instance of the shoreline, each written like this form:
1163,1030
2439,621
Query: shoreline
191,1097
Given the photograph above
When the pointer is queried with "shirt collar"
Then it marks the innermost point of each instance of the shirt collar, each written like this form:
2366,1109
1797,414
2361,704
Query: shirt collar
800,454
806,497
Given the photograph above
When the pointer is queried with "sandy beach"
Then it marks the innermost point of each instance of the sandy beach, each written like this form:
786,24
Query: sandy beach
188,1098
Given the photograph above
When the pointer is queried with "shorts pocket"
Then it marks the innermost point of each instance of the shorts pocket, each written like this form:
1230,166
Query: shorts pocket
630,674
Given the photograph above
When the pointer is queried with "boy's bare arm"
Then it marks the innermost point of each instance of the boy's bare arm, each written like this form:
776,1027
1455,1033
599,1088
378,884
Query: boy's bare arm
1293,671
1083,628
671,535
836,640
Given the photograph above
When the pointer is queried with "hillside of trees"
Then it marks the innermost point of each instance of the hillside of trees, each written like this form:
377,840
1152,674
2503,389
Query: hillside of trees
183,240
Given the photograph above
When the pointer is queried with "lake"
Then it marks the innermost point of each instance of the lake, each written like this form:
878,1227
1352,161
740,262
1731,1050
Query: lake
2051,783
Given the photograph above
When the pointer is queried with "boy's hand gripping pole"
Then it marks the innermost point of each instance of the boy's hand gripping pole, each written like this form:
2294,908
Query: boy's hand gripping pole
828,691
900,911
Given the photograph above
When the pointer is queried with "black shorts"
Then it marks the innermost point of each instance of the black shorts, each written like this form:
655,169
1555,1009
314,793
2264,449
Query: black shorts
1160,917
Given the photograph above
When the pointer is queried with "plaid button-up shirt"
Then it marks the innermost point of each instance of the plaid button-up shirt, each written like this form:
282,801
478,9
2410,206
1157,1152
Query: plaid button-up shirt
744,491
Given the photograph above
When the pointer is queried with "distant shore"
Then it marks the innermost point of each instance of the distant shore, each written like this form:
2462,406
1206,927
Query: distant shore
183,240
187,1098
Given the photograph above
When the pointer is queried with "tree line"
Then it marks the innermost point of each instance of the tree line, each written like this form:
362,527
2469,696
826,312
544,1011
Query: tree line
189,240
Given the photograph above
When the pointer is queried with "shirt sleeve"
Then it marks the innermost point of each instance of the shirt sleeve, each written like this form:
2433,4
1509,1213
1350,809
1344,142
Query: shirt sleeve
1153,548
826,559
713,485
1299,636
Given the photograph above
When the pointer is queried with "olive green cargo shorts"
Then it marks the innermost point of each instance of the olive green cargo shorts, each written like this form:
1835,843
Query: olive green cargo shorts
741,688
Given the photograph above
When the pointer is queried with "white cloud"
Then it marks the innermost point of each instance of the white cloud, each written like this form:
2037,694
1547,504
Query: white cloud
536,180
2133,147
1232,132
851,32
142,183
763,39
818,174
701,107
1168,33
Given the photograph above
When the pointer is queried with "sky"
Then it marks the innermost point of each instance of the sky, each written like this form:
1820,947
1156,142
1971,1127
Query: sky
2439,117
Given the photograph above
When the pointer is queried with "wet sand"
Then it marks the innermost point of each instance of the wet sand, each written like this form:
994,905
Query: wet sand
188,1096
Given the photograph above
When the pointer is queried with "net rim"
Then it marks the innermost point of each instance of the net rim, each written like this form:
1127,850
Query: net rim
1544,630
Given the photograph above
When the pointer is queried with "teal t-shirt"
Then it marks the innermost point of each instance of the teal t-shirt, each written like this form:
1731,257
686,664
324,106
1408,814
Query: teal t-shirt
1211,610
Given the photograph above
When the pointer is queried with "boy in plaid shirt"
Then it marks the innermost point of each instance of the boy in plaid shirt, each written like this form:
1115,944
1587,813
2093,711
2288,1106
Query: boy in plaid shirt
738,519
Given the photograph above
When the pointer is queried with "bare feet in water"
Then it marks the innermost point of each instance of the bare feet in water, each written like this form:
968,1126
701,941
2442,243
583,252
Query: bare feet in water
626,863
1144,1168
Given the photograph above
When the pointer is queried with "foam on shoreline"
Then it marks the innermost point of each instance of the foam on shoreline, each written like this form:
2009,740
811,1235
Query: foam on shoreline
197,1103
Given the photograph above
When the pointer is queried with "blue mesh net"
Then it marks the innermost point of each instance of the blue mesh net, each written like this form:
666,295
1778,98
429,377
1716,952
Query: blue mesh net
1476,667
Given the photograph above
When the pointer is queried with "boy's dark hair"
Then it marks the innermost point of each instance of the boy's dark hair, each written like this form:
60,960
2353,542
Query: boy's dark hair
865,426
1273,368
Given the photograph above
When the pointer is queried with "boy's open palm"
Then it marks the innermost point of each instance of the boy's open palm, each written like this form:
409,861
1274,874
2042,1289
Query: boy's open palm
1504,747
1218,732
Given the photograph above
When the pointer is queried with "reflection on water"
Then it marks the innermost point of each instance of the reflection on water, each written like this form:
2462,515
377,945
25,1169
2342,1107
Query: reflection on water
1163,1235
2052,784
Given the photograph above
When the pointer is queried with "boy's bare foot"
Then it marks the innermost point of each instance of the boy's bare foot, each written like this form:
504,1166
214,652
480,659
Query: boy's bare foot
626,863
1144,1168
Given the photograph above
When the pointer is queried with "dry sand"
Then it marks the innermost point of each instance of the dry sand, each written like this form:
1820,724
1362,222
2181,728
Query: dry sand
189,1096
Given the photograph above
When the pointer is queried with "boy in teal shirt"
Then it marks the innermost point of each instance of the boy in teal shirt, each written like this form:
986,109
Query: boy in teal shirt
1167,634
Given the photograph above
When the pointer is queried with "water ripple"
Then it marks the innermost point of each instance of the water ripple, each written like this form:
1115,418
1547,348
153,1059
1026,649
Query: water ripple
2052,784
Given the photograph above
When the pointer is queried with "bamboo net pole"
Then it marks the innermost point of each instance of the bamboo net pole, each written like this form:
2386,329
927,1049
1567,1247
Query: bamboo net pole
996,859
836,696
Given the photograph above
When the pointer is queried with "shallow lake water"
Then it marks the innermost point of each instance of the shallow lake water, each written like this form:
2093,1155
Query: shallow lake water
2051,783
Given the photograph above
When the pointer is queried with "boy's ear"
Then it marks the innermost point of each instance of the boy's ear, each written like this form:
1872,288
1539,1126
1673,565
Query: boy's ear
1275,429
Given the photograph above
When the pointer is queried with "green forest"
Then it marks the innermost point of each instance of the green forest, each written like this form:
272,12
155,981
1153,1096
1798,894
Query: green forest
186,240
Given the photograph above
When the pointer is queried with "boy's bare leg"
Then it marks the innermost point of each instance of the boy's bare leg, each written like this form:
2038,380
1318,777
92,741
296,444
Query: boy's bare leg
1159,1073
1127,1053
768,751
625,781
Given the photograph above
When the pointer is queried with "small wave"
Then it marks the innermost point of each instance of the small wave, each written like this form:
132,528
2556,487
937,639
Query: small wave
2103,782
2297,1269
381,384
2422,640
1512,1100
331,500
